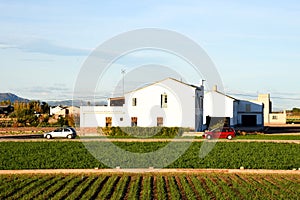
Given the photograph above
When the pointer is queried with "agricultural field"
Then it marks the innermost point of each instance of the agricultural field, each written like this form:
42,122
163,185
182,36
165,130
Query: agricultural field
225,155
150,186
268,137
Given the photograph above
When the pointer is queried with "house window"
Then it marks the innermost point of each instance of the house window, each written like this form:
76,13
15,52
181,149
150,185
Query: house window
274,117
248,107
133,121
121,119
164,100
160,121
133,101
108,121
118,101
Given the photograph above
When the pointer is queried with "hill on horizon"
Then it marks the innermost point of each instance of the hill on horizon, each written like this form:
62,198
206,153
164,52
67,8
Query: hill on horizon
77,103
12,98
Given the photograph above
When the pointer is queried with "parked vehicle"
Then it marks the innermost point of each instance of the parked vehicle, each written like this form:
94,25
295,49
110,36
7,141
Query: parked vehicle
68,132
225,132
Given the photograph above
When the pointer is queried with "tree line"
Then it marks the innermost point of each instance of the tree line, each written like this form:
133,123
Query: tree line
34,113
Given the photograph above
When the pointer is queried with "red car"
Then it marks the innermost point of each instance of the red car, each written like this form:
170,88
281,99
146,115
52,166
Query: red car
225,132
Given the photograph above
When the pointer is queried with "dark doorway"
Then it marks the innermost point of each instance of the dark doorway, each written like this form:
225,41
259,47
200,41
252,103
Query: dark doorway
160,121
108,121
249,120
134,121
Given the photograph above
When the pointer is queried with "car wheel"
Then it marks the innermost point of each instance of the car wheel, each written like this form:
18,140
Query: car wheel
229,137
69,136
48,136
209,137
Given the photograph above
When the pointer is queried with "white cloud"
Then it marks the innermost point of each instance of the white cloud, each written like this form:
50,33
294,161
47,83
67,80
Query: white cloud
46,47
6,46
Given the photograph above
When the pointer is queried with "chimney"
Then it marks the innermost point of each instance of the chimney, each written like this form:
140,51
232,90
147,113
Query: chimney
215,88
202,82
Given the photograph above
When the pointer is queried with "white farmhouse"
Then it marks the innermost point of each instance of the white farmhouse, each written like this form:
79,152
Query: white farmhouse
173,103
234,112
64,111
167,103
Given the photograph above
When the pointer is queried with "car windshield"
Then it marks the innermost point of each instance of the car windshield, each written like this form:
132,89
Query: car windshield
216,130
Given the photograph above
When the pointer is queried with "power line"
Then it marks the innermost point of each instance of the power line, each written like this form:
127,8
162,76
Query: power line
272,97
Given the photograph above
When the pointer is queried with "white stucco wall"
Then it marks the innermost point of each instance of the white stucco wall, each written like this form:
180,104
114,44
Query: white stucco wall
180,109
218,105
55,110
93,116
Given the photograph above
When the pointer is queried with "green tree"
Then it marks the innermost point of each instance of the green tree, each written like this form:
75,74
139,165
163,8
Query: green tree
45,108
31,113
5,103
296,110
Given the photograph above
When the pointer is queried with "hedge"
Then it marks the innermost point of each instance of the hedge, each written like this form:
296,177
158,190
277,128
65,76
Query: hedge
143,131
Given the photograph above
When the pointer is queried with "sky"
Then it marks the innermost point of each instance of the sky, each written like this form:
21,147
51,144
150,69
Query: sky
254,45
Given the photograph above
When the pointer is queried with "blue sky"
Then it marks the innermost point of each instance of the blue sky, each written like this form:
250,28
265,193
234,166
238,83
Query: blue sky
255,45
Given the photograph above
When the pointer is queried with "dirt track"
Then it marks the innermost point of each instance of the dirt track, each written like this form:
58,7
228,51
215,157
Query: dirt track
149,171
142,140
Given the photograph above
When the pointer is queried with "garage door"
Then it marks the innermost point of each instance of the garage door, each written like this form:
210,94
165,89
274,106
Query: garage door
249,120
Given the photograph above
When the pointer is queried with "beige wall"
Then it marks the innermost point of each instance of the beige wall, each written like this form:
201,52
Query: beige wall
75,111
269,116
277,118
265,99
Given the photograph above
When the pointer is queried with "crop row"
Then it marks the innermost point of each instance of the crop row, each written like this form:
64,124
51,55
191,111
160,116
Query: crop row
155,186
268,137
68,155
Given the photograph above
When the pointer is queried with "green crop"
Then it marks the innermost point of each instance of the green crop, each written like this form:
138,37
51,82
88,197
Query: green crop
70,155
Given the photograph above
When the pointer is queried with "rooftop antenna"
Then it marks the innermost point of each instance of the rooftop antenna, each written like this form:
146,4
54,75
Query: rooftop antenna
123,71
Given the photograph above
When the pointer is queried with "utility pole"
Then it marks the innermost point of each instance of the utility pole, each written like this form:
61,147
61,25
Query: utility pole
123,71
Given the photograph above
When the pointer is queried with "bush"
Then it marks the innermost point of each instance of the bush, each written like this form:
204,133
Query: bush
143,131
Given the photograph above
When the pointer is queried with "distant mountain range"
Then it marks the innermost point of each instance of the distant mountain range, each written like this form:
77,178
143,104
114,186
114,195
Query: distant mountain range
77,103
13,98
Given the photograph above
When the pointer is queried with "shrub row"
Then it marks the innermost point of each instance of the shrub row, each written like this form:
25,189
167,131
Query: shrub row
143,131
